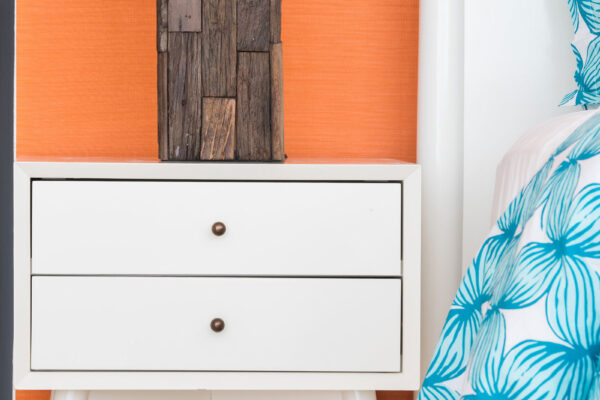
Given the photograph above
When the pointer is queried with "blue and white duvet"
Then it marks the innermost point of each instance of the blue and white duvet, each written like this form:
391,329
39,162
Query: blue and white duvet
525,323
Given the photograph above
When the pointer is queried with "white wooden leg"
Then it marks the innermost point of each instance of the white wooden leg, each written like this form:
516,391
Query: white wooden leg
149,395
69,395
359,395
280,395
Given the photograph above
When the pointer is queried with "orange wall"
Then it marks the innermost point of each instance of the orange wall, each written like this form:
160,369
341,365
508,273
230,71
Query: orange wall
86,77
86,81
33,395
350,78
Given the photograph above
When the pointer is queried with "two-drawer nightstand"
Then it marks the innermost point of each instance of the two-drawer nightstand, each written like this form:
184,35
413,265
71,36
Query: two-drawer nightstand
217,276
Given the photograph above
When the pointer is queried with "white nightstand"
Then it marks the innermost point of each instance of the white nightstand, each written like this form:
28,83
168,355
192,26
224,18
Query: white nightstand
217,276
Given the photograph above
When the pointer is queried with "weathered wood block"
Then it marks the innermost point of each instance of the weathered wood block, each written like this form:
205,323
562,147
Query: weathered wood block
220,80
163,106
219,51
185,15
253,25
185,96
162,25
253,134
275,21
218,129
277,151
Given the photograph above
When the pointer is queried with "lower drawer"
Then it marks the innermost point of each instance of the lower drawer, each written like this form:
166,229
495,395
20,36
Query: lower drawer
164,324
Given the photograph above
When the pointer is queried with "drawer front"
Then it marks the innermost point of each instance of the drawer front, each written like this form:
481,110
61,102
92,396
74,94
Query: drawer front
164,324
165,228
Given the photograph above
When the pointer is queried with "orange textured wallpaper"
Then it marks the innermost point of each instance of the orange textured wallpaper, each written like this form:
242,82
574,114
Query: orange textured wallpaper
33,395
350,78
86,82
86,77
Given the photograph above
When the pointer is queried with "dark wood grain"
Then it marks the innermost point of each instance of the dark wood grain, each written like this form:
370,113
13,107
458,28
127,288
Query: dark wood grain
253,134
185,93
219,48
275,21
277,102
161,25
218,129
163,119
253,27
185,15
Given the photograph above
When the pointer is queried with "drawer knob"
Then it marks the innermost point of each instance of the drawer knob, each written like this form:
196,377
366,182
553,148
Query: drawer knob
217,325
219,228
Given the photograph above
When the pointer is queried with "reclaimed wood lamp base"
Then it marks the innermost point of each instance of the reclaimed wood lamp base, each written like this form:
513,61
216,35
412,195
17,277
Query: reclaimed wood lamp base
220,80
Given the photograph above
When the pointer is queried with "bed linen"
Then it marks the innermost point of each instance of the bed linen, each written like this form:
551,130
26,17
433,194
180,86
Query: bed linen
528,154
525,323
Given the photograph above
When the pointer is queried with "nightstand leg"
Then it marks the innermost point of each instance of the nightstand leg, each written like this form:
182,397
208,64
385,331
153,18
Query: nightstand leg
359,395
69,395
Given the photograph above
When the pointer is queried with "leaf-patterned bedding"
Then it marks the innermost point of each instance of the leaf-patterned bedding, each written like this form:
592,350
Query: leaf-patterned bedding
585,15
525,323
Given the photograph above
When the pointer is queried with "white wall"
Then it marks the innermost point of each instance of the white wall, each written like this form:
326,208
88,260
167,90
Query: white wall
518,65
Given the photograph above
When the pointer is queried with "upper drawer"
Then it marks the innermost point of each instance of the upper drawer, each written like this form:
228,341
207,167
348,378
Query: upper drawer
165,228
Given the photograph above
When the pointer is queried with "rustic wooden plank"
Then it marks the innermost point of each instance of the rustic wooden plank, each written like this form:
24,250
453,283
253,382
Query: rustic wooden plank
253,134
218,129
219,44
163,120
253,27
185,15
277,148
161,25
275,21
185,93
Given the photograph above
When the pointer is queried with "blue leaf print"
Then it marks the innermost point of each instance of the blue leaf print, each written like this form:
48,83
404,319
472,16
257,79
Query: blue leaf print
557,197
583,233
568,97
590,13
539,263
573,9
464,318
591,125
587,147
532,193
502,276
451,353
536,370
488,352
474,288
576,94
436,392
548,266
573,304
587,74
535,270
595,392
508,223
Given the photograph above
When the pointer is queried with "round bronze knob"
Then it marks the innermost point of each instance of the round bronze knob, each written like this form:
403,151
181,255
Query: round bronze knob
217,325
219,228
